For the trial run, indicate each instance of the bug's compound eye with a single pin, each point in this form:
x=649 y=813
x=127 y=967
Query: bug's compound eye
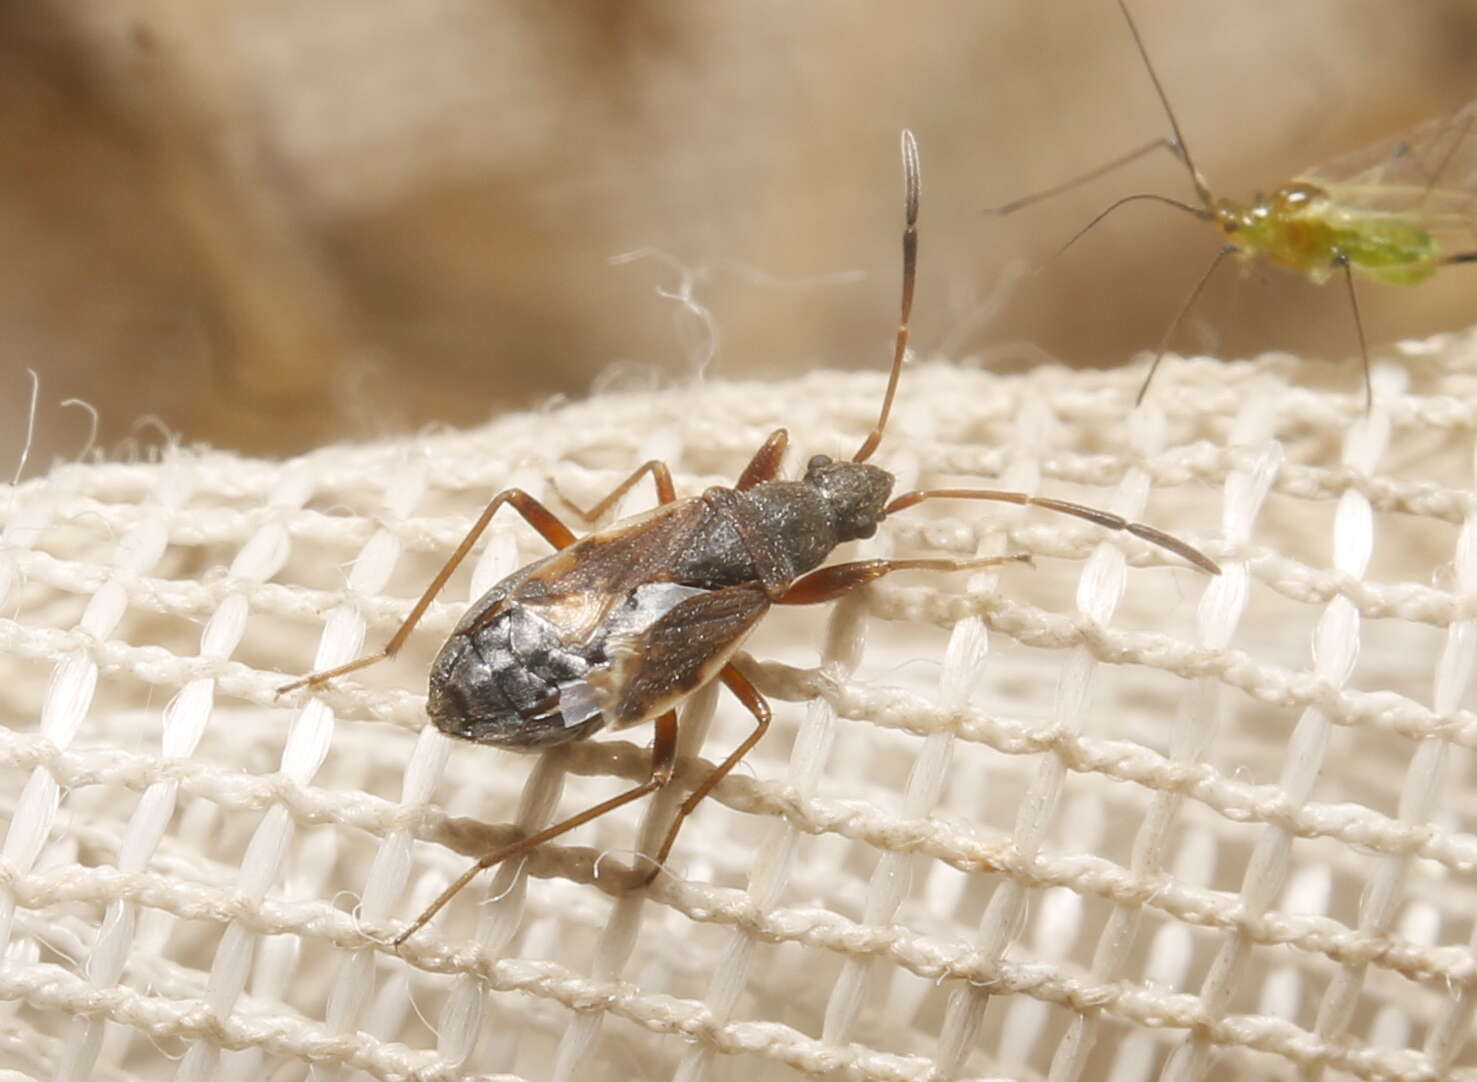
x=1300 y=194
x=817 y=462
x=1229 y=217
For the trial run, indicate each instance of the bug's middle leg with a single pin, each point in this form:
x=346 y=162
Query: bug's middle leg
x=661 y=477
x=534 y=513
x=829 y=583
x=663 y=758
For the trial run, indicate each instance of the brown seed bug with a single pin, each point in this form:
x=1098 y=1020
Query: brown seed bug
x=618 y=627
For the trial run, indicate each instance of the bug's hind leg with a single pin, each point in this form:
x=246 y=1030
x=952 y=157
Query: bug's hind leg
x=661 y=477
x=747 y=694
x=663 y=756
x=534 y=513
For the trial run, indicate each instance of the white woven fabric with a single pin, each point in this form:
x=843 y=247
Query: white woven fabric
x=1107 y=818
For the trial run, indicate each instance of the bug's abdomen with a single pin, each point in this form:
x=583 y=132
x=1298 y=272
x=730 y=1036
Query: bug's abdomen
x=513 y=680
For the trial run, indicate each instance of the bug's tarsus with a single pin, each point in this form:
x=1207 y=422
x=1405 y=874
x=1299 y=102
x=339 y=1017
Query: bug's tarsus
x=534 y=513
x=663 y=760
x=1163 y=347
x=911 y=188
x=1461 y=257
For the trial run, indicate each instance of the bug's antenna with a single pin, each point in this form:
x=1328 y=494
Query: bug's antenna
x=910 y=270
x=1006 y=209
x=1153 y=197
x=1201 y=188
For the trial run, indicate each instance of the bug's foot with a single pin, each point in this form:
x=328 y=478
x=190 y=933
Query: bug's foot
x=312 y=680
x=640 y=876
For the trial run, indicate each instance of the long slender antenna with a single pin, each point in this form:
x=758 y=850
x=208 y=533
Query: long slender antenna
x=1201 y=188
x=1153 y=197
x=1178 y=318
x=1092 y=174
x=1106 y=519
x=911 y=188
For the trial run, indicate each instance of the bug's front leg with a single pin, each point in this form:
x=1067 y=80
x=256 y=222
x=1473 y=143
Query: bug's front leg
x=663 y=757
x=534 y=513
x=765 y=465
x=829 y=583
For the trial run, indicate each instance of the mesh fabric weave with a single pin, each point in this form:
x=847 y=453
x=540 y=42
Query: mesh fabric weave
x=1103 y=818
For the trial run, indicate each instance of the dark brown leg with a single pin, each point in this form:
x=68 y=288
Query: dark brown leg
x=765 y=465
x=536 y=514
x=1105 y=519
x=660 y=475
x=829 y=583
x=740 y=686
x=663 y=755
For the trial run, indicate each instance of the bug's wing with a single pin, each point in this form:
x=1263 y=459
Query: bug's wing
x=1437 y=155
x=1448 y=215
x=577 y=587
x=650 y=672
x=1439 y=152
x=1425 y=176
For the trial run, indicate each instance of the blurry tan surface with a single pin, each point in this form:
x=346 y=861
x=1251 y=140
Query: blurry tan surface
x=276 y=225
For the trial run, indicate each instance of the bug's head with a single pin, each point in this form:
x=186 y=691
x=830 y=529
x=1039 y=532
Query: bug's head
x=855 y=492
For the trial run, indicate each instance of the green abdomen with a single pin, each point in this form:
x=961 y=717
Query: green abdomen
x=1390 y=248
x=1304 y=229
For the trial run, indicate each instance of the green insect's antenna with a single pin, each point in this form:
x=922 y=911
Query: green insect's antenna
x=1140 y=197
x=1202 y=190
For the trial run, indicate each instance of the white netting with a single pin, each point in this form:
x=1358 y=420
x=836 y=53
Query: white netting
x=1107 y=818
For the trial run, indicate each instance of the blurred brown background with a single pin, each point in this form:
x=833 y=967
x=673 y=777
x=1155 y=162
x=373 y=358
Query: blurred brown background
x=278 y=224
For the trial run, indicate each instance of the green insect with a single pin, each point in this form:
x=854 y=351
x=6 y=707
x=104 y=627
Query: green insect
x=1394 y=217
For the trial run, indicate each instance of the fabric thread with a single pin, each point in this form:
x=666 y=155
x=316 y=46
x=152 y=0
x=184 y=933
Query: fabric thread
x=1107 y=817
